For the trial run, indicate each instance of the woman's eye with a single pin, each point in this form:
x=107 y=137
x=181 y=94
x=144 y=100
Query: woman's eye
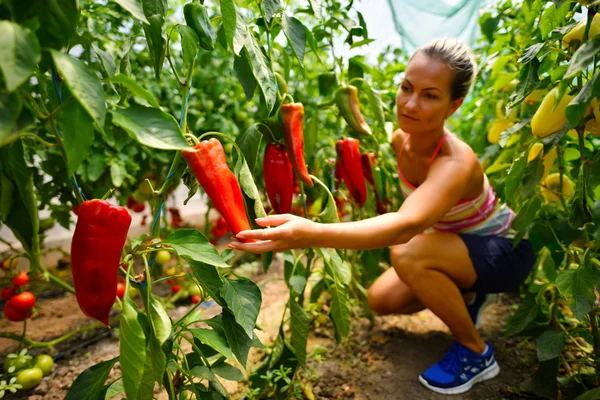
x=404 y=88
x=431 y=96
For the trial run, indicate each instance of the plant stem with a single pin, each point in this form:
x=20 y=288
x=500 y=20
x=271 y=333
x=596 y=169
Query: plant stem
x=51 y=277
x=560 y=177
x=52 y=343
x=26 y=134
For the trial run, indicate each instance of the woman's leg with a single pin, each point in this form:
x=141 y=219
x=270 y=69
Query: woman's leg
x=389 y=295
x=434 y=267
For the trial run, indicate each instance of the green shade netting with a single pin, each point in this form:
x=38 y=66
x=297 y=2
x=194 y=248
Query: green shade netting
x=419 y=21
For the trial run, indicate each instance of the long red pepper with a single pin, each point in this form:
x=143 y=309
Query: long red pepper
x=279 y=178
x=96 y=249
x=368 y=161
x=207 y=161
x=293 y=127
x=348 y=152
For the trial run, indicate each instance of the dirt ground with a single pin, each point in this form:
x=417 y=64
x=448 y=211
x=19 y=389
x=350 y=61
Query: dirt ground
x=382 y=361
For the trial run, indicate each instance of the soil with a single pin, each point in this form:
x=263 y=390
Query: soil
x=379 y=361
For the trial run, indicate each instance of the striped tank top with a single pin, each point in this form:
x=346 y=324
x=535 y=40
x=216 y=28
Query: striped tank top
x=483 y=215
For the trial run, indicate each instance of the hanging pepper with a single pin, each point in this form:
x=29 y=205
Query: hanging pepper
x=207 y=161
x=96 y=249
x=279 y=178
x=351 y=171
x=346 y=98
x=550 y=118
x=293 y=126
x=196 y=17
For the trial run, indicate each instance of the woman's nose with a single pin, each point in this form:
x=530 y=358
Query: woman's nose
x=412 y=103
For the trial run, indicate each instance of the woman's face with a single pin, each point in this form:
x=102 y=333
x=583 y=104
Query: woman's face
x=424 y=98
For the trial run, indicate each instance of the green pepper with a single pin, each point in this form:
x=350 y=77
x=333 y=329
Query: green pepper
x=346 y=98
x=196 y=17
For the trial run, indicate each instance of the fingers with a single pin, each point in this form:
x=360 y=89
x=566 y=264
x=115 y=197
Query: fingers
x=261 y=234
x=274 y=220
x=255 y=247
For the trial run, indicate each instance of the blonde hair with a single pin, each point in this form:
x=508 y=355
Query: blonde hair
x=459 y=57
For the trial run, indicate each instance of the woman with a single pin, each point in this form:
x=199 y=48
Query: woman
x=450 y=237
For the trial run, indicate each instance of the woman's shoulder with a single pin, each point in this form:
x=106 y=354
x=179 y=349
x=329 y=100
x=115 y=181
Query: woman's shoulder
x=398 y=138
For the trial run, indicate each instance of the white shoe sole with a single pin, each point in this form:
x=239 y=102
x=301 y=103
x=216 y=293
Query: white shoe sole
x=489 y=299
x=491 y=372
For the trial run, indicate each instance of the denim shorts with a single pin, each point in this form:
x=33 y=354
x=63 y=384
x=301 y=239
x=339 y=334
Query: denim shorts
x=499 y=267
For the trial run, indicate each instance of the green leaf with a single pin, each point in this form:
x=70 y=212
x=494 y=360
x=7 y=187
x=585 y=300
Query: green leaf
x=237 y=338
x=117 y=174
x=77 y=129
x=135 y=8
x=582 y=57
x=58 y=20
x=209 y=278
x=227 y=371
x=488 y=25
x=376 y=105
x=190 y=45
x=89 y=385
x=271 y=8
x=329 y=215
x=155 y=12
x=525 y=315
x=22 y=219
x=229 y=20
x=339 y=269
x=299 y=327
x=592 y=394
x=243 y=298
x=552 y=18
x=249 y=143
x=243 y=71
x=191 y=244
x=132 y=348
x=254 y=205
x=11 y=105
x=577 y=286
x=532 y=176
x=550 y=344
x=579 y=214
x=315 y=5
x=151 y=127
x=576 y=109
x=83 y=83
x=214 y=340
x=527 y=213
x=340 y=313
x=297 y=283
x=531 y=52
x=135 y=88
x=19 y=54
x=107 y=60
x=241 y=31
x=150 y=374
x=262 y=71
x=311 y=131
x=114 y=389
x=96 y=167
x=528 y=82
x=296 y=36
x=159 y=319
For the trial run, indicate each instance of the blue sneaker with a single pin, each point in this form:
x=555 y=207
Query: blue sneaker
x=477 y=305
x=460 y=369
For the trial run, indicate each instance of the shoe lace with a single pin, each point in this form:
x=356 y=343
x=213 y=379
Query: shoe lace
x=451 y=362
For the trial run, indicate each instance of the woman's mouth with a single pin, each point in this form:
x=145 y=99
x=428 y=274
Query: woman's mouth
x=409 y=117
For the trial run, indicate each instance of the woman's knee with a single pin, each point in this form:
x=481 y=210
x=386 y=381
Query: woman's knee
x=377 y=300
x=407 y=261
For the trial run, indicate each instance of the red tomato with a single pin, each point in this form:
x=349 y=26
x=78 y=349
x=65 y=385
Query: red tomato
x=175 y=288
x=13 y=315
x=134 y=206
x=22 y=302
x=21 y=279
x=195 y=299
x=120 y=290
x=8 y=292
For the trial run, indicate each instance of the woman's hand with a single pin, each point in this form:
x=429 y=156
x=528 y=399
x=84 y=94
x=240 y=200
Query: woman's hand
x=288 y=232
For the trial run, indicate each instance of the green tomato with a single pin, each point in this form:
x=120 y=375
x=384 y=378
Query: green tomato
x=29 y=378
x=193 y=289
x=170 y=271
x=162 y=257
x=19 y=362
x=45 y=363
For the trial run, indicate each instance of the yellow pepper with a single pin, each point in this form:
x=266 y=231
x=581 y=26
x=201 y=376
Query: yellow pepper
x=497 y=128
x=534 y=97
x=535 y=151
x=551 y=188
x=549 y=119
x=549 y=161
x=576 y=34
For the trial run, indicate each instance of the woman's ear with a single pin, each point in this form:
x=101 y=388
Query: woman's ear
x=454 y=106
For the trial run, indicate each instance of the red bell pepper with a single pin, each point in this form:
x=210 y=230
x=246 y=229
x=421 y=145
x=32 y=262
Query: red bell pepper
x=349 y=163
x=279 y=178
x=368 y=161
x=293 y=128
x=207 y=161
x=96 y=249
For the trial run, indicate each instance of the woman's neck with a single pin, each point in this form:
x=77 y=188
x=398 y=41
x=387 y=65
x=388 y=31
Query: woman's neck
x=423 y=144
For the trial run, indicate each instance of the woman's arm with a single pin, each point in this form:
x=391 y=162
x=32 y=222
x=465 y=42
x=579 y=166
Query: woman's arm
x=446 y=183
